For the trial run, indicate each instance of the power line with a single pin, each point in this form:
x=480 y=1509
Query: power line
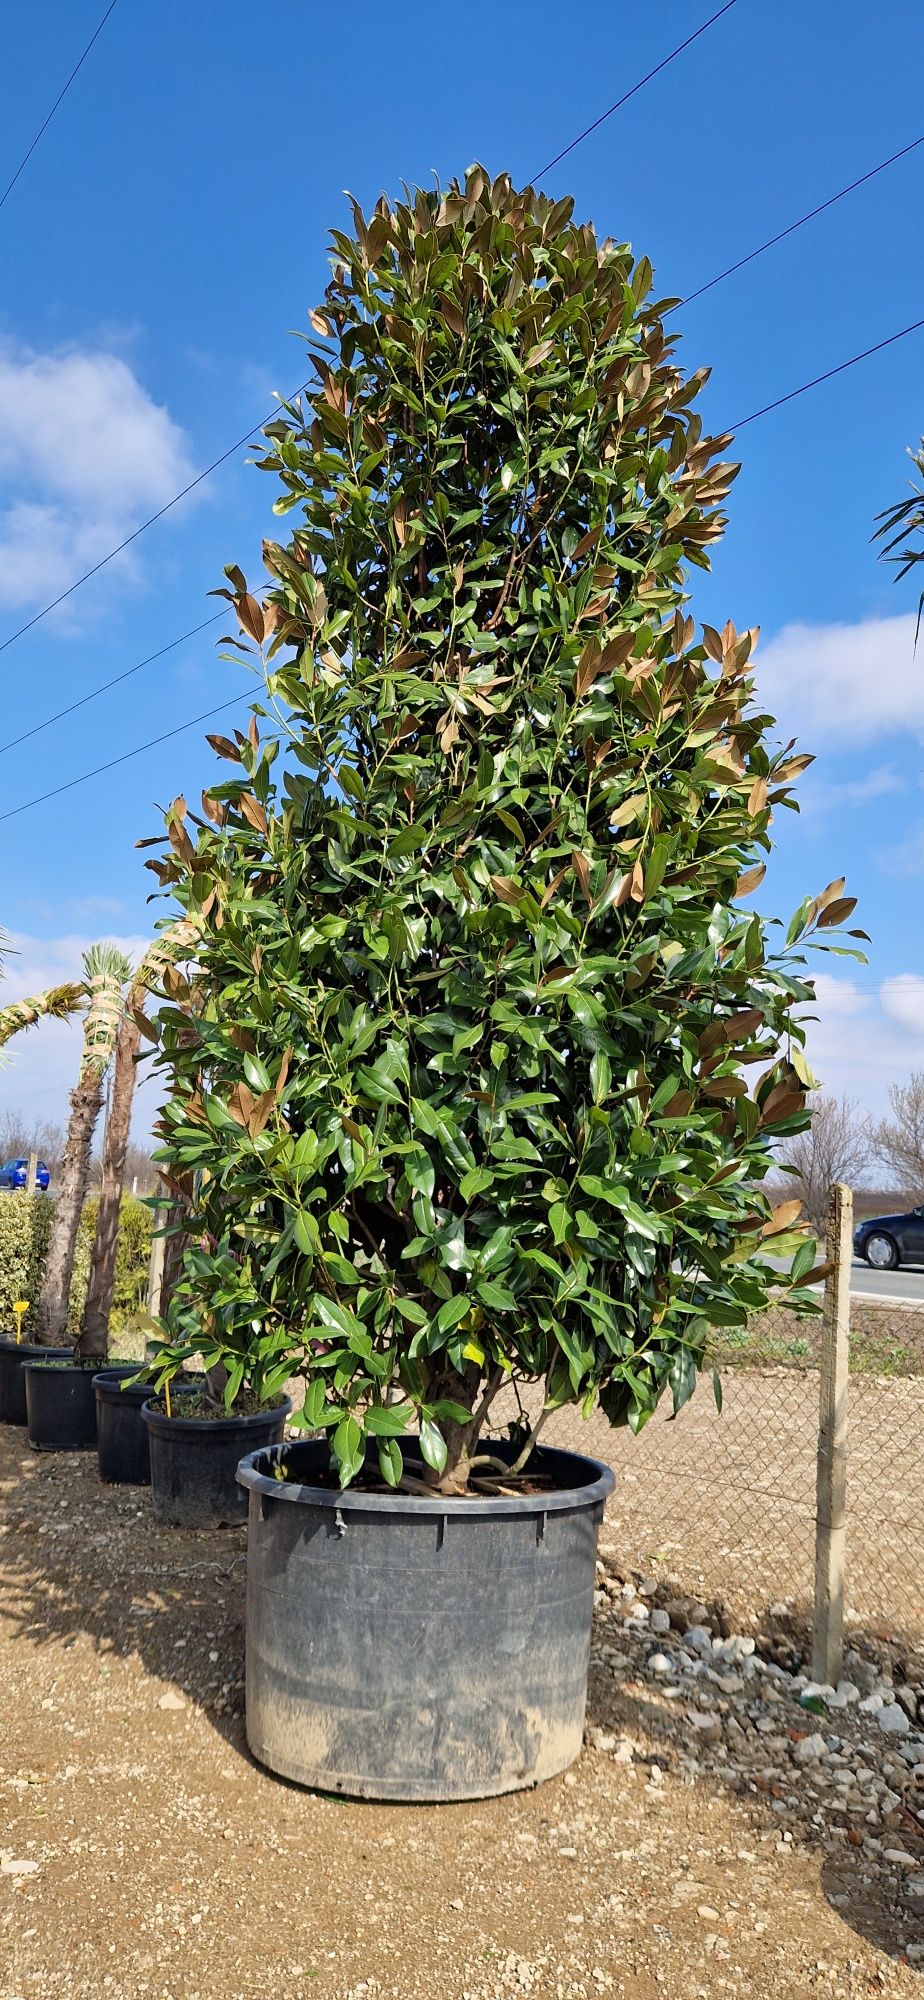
x=61 y=95
x=766 y=409
x=149 y=523
x=800 y=223
x=720 y=277
x=225 y=455
x=828 y=375
x=125 y=757
x=104 y=686
x=635 y=88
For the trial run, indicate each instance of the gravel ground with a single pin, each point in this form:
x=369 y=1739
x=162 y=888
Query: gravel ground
x=143 y=1854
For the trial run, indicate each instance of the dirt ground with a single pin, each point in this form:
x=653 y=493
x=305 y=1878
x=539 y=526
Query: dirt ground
x=142 y=1852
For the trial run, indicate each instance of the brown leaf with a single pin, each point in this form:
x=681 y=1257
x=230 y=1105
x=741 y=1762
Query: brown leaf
x=757 y=797
x=225 y=748
x=713 y=644
x=283 y=1073
x=837 y=913
x=250 y=616
x=616 y=651
x=214 y=809
x=507 y=889
x=399 y=517
x=782 y=1218
x=588 y=669
x=637 y=883
x=751 y=879
x=253 y=811
x=581 y=867
x=555 y=883
x=781 y=1103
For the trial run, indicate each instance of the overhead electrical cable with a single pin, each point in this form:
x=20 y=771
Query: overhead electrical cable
x=104 y=686
x=800 y=222
x=149 y=523
x=634 y=89
x=58 y=100
x=777 y=404
x=112 y=762
x=689 y=298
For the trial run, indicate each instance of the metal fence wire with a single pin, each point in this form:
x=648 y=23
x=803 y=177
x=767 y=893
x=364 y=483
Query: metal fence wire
x=722 y=1504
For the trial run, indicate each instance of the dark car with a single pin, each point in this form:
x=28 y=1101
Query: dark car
x=15 y=1173
x=885 y=1241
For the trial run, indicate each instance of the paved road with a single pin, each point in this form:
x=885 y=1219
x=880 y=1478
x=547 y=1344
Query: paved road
x=905 y=1285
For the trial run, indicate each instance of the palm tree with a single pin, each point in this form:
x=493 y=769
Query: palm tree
x=58 y=1004
x=174 y=943
x=905 y=523
x=106 y=970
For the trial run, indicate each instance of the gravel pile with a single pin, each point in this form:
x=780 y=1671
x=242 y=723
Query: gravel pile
x=840 y=1766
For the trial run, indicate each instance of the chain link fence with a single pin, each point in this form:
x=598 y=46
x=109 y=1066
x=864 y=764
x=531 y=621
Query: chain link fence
x=722 y=1504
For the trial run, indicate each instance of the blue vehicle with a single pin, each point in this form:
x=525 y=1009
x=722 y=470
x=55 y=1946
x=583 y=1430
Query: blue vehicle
x=14 y=1174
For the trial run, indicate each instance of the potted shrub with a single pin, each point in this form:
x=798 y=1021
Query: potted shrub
x=195 y=1450
x=479 y=1069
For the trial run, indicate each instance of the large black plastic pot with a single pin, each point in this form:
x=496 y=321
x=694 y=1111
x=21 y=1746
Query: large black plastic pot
x=61 y=1403
x=13 y=1356
x=415 y=1648
x=121 y=1434
x=194 y=1461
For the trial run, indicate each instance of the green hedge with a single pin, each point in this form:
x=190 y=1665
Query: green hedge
x=25 y=1227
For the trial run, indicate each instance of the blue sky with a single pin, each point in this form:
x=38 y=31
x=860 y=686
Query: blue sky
x=169 y=231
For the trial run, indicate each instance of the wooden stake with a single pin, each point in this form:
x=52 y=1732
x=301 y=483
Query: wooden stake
x=831 y=1475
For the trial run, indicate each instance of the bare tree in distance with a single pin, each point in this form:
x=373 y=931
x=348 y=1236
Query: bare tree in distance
x=20 y=1136
x=836 y=1147
x=899 y=1141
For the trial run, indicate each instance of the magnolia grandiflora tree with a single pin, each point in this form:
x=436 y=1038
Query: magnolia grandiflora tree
x=489 y=1055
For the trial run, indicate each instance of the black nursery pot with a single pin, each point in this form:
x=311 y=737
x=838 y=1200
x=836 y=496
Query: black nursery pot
x=13 y=1356
x=121 y=1435
x=415 y=1648
x=60 y=1405
x=194 y=1463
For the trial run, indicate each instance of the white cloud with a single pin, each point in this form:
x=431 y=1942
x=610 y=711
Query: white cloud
x=903 y=1001
x=879 y=783
x=832 y=685
x=40 y=1066
x=907 y=856
x=863 y=1040
x=840 y=997
x=85 y=455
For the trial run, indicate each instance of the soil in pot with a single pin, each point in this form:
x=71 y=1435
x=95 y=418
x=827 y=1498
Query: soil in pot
x=194 y=1459
x=60 y=1402
x=402 y=1646
x=121 y=1434
x=13 y=1356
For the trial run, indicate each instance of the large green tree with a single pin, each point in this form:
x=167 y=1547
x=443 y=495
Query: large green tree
x=484 y=1055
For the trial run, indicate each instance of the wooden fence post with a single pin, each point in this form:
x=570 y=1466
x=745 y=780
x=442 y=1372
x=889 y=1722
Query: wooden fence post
x=831 y=1477
x=31 y=1173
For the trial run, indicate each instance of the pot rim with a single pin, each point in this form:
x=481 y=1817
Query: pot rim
x=31 y=1349
x=565 y=1499
x=212 y=1426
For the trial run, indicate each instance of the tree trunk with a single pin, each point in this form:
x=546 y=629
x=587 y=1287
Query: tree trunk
x=94 y=1332
x=174 y=1247
x=51 y=1317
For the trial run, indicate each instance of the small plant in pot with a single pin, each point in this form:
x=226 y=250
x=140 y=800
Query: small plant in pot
x=196 y=1440
x=478 y=1071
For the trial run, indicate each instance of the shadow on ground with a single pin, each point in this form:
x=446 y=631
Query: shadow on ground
x=78 y=1560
